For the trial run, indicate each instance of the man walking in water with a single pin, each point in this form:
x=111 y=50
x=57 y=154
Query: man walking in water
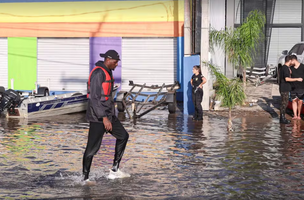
x=101 y=115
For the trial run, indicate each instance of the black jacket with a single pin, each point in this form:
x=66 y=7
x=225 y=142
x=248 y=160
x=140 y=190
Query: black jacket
x=98 y=106
x=285 y=86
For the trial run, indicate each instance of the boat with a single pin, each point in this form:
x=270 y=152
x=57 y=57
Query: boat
x=17 y=104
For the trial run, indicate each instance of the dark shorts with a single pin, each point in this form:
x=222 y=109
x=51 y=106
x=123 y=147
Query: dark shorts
x=297 y=94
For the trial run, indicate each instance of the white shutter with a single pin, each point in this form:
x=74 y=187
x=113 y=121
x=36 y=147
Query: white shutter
x=282 y=39
x=3 y=63
x=148 y=60
x=287 y=11
x=63 y=63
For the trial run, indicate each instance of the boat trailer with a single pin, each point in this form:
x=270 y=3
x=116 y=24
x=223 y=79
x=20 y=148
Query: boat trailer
x=126 y=100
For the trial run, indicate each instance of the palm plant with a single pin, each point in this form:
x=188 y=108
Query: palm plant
x=230 y=91
x=241 y=43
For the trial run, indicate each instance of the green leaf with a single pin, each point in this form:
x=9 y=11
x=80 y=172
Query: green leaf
x=231 y=91
x=241 y=43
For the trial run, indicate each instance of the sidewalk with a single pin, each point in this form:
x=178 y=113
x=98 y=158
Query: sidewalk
x=268 y=98
x=265 y=97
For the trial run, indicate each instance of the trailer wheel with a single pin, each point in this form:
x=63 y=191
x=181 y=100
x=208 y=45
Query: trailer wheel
x=43 y=91
x=172 y=107
x=120 y=106
x=2 y=89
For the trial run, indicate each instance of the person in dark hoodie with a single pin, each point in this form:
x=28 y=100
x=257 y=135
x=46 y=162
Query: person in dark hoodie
x=101 y=115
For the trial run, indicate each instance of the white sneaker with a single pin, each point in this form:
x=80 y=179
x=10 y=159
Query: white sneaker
x=118 y=174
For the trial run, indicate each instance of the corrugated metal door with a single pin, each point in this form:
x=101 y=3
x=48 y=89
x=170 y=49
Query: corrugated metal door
x=148 y=60
x=282 y=39
x=287 y=11
x=3 y=63
x=63 y=63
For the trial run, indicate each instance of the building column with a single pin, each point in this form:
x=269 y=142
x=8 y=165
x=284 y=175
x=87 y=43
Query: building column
x=230 y=13
x=187 y=29
x=205 y=51
x=302 y=21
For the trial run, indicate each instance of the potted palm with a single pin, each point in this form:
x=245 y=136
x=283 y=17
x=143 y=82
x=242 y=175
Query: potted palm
x=241 y=43
x=229 y=91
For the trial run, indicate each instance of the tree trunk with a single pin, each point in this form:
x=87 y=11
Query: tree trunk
x=244 y=78
x=244 y=81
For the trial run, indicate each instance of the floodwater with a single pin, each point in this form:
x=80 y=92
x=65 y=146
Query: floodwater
x=168 y=157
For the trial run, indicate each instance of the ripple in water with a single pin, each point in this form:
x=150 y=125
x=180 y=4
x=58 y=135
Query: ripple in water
x=168 y=157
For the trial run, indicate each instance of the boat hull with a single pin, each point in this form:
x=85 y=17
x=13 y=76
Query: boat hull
x=50 y=106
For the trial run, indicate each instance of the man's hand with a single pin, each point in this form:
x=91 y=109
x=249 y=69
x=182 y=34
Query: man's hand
x=300 y=79
x=107 y=124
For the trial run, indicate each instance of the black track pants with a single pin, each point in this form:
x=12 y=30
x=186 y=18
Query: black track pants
x=96 y=133
x=197 y=99
x=284 y=103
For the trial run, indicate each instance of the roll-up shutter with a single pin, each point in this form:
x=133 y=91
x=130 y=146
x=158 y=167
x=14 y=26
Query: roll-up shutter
x=63 y=63
x=282 y=39
x=287 y=11
x=148 y=60
x=3 y=63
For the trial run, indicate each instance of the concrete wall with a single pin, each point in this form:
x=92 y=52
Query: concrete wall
x=217 y=21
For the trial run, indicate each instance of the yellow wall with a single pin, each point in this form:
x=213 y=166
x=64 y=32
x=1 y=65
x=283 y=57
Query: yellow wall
x=92 y=18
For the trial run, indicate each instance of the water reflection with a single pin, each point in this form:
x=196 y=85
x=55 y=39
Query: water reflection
x=244 y=124
x=296 y=128
x=168 y=156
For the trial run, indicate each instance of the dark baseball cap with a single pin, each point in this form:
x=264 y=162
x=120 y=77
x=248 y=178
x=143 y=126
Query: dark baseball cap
x=110 y=54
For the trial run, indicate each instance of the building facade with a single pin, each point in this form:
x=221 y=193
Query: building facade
x=284 y=26
x=56 y=43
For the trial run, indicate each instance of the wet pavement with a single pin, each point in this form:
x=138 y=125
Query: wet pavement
x=168 y=157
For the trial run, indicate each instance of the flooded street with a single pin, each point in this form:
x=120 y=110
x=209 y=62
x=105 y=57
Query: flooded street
x=168 y=157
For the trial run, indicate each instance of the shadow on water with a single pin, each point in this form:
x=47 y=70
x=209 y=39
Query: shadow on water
x=269 y=106
x=169 y=156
